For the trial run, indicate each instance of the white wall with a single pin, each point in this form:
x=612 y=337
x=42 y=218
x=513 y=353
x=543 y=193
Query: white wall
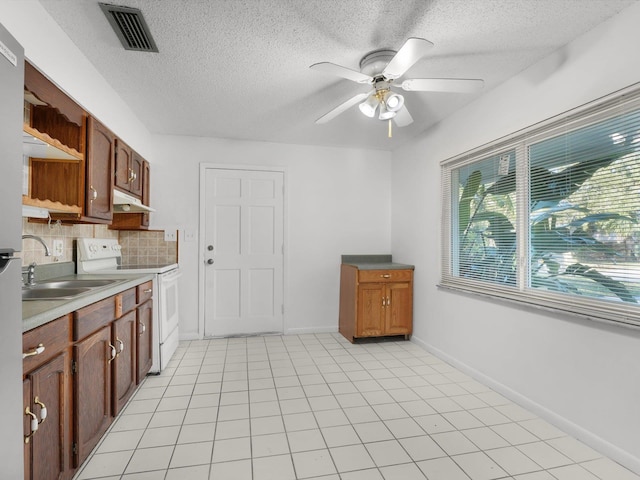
x=338 y=202
x=579 y=374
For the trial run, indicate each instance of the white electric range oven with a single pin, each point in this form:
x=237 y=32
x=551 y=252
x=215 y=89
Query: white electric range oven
x=104 y=256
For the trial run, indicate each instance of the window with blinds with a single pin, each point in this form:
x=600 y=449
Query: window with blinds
x=551 y=215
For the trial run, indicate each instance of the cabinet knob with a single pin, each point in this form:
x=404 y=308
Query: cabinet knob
x=114 y=353
x=386 y=275
x=43 y=409
x=33 y=424
x=36 y=351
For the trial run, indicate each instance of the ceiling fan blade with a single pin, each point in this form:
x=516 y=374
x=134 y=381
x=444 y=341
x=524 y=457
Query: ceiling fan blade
x=342 y=107
x=403 y=117
x=412 y=51
x=460 y=85
x=341 y=71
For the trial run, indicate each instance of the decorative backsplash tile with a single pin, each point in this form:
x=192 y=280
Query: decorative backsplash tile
x=147 y=248
x=143 y=247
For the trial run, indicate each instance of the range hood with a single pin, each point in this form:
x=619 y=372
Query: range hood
x=125 y=203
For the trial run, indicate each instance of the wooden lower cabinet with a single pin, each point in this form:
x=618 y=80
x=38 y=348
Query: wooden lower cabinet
x=45 y=392
x=92 y=391
x=144 y=339
x=124 y=333
x=375 y=303
x=81 y=369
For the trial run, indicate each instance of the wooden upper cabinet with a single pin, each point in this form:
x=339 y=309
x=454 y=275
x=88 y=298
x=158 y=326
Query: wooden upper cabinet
x=128 y=170
x=100 y=164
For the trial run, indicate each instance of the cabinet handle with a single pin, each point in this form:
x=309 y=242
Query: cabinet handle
x=386 y=275
x=121 y=346
x=43 y=409
x=148 y=290
x=94 y=193
x=384 y=302
x=143 y=327
x=388 y=302
x=33 y=423
x=36 y=351
x=114 y=353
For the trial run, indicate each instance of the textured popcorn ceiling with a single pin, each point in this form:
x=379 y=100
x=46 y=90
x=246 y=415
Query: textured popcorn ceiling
x=239 y=68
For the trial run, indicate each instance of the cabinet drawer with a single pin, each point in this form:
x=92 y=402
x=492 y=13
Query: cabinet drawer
x=145 y=292
x=54 y=337
x=384 y=276
x=93 y=317
x=128 y=301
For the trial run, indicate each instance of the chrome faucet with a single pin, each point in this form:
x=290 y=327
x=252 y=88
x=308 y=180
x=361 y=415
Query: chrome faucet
x=31 y=270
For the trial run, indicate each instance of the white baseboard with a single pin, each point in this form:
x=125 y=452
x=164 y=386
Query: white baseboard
x=599 y=444
x=190 y=336
x=302 y=331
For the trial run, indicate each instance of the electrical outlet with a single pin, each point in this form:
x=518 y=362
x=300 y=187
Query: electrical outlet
x=189 y=236
x=170 y=236
x=58 y=248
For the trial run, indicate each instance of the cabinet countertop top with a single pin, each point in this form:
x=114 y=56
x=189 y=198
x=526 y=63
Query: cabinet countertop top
x=374 y=262
x=381 y=266
x=38 y=312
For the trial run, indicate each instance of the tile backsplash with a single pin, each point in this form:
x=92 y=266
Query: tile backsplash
x=138 y=247
x=147 y=248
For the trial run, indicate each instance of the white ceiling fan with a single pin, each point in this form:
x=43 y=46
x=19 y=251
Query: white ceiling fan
x=380 y=69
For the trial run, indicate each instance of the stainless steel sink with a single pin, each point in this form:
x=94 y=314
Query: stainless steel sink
x=51 y=293
x=61 y=289
x=71 y=284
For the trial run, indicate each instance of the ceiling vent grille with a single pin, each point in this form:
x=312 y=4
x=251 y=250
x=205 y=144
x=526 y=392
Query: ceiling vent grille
x=130 y=27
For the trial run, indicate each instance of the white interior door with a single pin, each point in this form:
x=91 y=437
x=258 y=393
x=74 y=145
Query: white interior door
x=244 y=245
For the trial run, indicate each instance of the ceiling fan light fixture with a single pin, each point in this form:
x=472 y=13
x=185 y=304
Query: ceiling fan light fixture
x=393 y=101
x=369 y=106
x=385 y=114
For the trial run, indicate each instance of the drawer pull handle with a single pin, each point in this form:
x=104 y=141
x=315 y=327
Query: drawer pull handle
x=148 y=290
x=386 y=275
x=114 y=353
x=33 y=423
x=36 y=351
x=143 y=328
x=121 y=343
x=43 y=409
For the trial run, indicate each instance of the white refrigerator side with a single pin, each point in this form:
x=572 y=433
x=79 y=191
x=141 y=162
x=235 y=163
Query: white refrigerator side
x=11 y=408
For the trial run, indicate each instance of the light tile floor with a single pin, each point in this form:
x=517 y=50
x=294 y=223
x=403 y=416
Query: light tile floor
x=318 y=407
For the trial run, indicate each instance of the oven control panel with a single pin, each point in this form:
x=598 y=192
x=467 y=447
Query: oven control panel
x=98 y=248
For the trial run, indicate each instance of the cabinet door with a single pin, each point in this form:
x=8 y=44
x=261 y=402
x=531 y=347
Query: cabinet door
x=92 y=390
x=26 y=426
x=370 y=318
x=136 y=175
x=399 y=309
x=146 y=192
x=145 y=339
x=100 y=160
x=124 y=366
x=49 y=445
x=123 y=172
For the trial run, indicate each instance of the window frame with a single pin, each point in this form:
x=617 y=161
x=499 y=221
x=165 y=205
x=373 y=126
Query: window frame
x=622 y=313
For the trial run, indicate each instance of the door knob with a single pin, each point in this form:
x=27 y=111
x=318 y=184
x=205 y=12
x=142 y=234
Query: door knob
x=210 y=261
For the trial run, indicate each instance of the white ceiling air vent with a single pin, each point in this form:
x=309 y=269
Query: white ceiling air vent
x=130 y=27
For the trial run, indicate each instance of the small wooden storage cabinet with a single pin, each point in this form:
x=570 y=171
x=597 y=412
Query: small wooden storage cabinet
x=375 y=302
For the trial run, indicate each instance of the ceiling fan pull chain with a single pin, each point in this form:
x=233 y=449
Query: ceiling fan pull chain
x=390 y=132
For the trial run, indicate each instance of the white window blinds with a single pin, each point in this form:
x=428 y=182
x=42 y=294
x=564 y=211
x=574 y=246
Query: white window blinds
x=551 y=216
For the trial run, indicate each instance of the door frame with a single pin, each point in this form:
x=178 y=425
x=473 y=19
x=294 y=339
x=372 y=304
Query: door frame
x=201 y=233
